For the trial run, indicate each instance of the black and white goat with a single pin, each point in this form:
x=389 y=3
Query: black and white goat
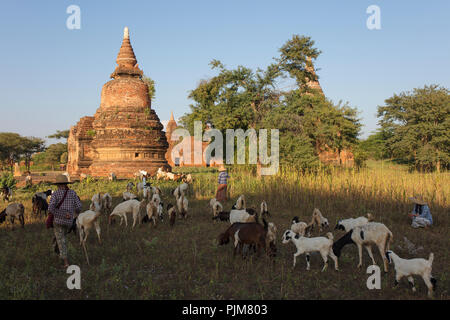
x=240 y=203
x=307 y=245
x=366 y=235
x=410 y=267
x=264 y=212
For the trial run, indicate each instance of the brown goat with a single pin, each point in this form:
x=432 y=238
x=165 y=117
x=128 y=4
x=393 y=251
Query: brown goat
x=252 y=234
x=172 y=214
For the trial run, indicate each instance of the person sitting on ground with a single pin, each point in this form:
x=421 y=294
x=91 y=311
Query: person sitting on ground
x=421 y=215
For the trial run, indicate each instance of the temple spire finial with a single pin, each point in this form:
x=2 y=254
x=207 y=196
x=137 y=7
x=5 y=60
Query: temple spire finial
x=171 y=116
x=126 y=34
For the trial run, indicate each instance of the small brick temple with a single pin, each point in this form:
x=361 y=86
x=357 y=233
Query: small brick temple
x=125 y=135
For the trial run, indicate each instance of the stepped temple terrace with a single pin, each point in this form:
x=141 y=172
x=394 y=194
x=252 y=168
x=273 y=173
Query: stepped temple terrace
x=125 y=135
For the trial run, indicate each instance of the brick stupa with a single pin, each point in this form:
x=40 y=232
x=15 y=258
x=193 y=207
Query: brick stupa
x=125 y=135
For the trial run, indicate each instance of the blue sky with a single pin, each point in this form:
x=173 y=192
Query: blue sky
x=52 y=76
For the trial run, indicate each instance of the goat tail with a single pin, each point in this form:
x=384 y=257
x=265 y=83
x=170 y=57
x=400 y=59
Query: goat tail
x=330 y=235
x=431 y=258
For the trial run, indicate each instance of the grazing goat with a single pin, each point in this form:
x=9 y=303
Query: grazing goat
x=410 y=267
x=128 y=196
x=180 y=190
x=135 y=207
x=182 y=204
x=187 y=178
x=216 y=206
x=307 y=245
x=105 y=202
x=264 y=211
x=240 y=203
x=39 y=205
x=153 y=209
x=318 y=220
x=88 y=219
x=300 y=227
x=366 y=235
x=242 y=215
x=14 y=210
x=171 y=211
x=349 y=224
x=252 y=234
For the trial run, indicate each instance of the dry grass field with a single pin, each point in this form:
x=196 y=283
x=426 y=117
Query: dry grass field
x=185 y=262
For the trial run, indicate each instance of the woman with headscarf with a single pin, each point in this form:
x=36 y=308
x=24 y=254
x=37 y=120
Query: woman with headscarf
x=421 y=215
x=221 y=194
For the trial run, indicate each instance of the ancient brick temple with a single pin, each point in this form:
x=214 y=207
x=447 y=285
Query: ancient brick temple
x=125 y=134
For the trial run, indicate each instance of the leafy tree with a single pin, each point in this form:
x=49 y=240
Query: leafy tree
x=54 y=152
x=60 y=134
x=419 y=122
x=7 y=180
x=31 y=146
x=14 y=147
x=376 y=146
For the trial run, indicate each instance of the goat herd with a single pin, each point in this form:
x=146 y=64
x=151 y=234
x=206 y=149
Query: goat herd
x=246 y=231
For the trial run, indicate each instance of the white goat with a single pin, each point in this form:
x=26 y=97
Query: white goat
x=181 y=189
x=14 y=210
x=244 y=215
x=216 y=206
x=104 y=200
x=271 y=236
x=88 y=219
x=182 y=204
x=112 y=177
x=154 y=209
x=410 y=267
x=128 y=196
x=308 y=245
x=318 y=220
x=348 y=224
x=264 y=211
x=298 y=226
x=134 y=207
x=366 y=235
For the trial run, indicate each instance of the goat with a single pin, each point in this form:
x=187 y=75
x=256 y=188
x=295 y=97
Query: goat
x=44 y=195
x=171 y=211
x=112 y=177
x=252 y=234
x=153 y=209
x=242 y=215
x=39 y=205
x=130 y=186
x=348 y=224
x=410 y=267
x=135 y=207
x=307 y=245
x=128 y=196
x=366 y=235
x=188 y=178
x=14 y=210
x=264 y=211
x=240 y=203
x=318 y=220
x=182 y=204
x=216 y=206
x=88 y=219
x=181 y=189
x=7 y=194
x=300 y=227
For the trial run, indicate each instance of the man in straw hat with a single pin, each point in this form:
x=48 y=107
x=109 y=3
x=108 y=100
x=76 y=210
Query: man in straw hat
x=421 y=215
x=63 y=206
x=221 y=194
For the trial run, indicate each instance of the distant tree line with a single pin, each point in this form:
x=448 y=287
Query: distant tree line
x=414 y=129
